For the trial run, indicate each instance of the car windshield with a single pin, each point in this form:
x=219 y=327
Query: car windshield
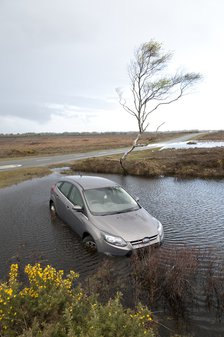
x=110 y=200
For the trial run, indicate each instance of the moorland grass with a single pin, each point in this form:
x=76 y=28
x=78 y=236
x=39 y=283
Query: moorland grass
x=185 y=163
x=15 y=146
x=12 y=177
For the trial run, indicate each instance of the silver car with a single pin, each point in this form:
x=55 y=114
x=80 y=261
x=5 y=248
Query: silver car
x=104 y=215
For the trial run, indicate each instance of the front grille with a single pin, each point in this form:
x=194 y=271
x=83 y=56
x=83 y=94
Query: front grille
x=144 y=242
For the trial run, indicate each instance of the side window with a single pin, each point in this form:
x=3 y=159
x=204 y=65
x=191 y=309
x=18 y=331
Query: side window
x=65 y=188
x=59 y=184
x=75 y=197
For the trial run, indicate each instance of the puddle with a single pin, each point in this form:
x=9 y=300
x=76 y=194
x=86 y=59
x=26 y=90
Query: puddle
x=187 y=145
x=60 y=169
x=7 y=167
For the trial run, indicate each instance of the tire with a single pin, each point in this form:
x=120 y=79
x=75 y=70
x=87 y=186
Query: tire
x=89 y=243
x=52 y=208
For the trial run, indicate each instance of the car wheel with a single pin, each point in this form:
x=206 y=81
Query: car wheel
x=89 y=243
x=52 y=208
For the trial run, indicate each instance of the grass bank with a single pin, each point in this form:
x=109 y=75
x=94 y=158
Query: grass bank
x=12 y=177
x=188 y=163
x=185 y=163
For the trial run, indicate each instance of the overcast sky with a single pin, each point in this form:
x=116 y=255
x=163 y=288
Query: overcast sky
x=61 y=61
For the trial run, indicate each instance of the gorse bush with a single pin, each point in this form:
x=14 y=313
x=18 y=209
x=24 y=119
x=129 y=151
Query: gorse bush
x=49 y=305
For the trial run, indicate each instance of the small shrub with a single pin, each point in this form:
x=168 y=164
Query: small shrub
x=214 y=288
x=105 y=282
x=167 y=277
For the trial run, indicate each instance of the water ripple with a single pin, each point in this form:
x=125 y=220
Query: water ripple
x=191 y=211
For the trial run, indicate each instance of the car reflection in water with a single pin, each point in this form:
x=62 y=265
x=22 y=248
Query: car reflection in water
x=104 y=215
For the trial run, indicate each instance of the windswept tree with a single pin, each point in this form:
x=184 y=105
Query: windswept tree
x=151 y=87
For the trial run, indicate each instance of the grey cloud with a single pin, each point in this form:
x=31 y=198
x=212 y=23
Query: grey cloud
x=29 y=24
x=41 y=112
x=65 y=58
x=26 y=110
x=89 y=102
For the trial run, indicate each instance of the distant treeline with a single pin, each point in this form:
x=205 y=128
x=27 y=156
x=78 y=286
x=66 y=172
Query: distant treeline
x=33 y=134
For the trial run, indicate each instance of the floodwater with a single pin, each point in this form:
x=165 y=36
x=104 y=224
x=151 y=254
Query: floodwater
x=191 y=211
x=188 y=145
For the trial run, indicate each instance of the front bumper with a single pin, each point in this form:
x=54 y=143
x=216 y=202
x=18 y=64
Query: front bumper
x=109 y=249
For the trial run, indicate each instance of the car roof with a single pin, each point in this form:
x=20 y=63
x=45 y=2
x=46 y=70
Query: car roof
x=90 y=182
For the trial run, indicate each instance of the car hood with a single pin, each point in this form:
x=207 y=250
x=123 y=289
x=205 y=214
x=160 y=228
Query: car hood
x=131 y=226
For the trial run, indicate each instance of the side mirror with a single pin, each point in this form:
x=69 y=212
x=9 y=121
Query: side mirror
x=77 y=208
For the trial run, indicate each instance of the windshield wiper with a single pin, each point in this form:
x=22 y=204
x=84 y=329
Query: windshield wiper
x=116 y=212
x=126 y=210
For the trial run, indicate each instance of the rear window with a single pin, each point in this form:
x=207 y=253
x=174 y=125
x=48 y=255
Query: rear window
x=65 y=188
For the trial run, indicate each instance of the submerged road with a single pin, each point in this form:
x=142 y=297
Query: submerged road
x=58 y=159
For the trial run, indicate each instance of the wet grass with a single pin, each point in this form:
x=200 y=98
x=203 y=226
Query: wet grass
x=12 y=177
x=184 y=163
x=157 y=278
x=169 y=278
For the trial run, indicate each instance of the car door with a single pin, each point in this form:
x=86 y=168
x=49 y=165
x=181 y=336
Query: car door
x=62 y=199
x=76 y=218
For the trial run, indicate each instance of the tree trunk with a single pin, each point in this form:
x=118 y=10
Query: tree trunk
x=123 y=158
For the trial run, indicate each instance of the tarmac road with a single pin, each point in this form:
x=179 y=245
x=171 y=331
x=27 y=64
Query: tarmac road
x=49 y=160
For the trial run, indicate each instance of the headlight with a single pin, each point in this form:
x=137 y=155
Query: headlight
x=115 y=240
x=159 y=227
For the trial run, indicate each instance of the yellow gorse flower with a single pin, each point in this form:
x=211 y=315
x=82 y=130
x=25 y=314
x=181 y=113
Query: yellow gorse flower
x=13 y=274
x=7 y=295
x=41 y=278
x=9 y=291
x=41 y=281
x=143 y=316
x=30 y=292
